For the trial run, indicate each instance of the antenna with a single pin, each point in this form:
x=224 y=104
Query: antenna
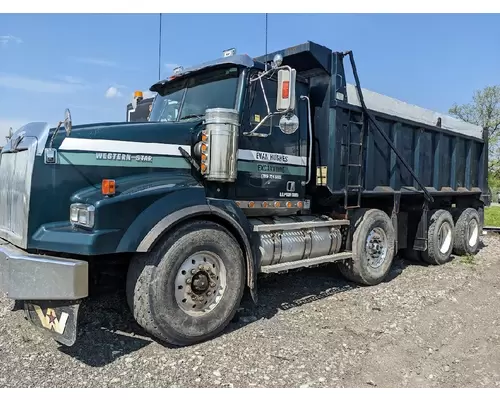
x=159 y=52
x=266 y=44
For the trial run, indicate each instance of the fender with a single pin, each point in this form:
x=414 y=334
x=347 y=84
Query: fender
x=227 y=214
x=142 y=234
x=122 y=221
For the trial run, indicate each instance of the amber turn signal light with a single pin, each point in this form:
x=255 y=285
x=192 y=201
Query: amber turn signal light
x=108 y=187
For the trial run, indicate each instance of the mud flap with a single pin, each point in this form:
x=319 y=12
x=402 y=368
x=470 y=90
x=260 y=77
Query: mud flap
x=57 y=317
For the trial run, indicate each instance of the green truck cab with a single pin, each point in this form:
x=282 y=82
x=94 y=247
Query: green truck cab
x=245 y=167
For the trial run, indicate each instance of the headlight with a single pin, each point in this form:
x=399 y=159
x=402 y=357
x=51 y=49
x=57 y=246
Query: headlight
x=82 y=214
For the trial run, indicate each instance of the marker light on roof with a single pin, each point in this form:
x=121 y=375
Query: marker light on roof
x=277 y=60
x=229 y=52
x=177 y=70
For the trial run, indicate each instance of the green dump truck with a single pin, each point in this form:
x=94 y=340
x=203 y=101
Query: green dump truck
x=247 y=166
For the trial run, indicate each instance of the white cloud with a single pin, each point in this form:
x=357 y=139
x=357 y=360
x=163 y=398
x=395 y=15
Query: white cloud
x=112 y=92
x=72 y=80
x=6 y=39
x=37 y=85
x=96 y=61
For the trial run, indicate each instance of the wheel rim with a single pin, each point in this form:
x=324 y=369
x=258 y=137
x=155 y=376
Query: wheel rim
x=200 y=283
x=473 y=232
x=444 y=237
x=376 y=247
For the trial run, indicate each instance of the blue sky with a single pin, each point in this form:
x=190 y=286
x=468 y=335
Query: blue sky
x=92 y=63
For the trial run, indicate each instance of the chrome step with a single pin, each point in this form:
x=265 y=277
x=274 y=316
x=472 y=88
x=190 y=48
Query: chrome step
x=269 y=269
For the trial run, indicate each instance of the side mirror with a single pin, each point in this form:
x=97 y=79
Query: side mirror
x=11 y=133
x=68 y=123
x=285 y=99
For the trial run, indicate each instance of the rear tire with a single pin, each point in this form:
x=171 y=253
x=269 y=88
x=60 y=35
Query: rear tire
x=467 y=228
x=188 y=288
x=372 y=248
x=440 y=238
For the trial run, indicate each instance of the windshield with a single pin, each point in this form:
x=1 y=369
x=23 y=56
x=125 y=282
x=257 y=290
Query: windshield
x=189 y=97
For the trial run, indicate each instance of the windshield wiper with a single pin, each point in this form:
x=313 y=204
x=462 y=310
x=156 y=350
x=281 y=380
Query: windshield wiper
x=192 y=116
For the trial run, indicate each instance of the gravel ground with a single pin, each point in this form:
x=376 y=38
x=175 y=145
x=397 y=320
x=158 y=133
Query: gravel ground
x=423 y=327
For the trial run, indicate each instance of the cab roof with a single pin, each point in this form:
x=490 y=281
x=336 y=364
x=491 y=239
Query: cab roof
x=240 y=60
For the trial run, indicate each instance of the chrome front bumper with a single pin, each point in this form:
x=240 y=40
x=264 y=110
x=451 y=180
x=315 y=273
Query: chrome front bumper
x=25 y=276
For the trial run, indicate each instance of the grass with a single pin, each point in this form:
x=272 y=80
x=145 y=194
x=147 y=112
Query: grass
x=468 y=259
x=492 y=216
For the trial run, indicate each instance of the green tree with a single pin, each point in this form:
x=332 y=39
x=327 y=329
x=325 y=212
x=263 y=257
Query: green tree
x=484 y=110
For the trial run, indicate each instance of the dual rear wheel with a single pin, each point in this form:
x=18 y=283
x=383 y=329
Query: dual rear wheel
x=373 y=248
x=373 y=242
x=455 y=232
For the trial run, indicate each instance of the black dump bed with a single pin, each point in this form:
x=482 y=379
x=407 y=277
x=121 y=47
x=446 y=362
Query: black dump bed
x=448 y=156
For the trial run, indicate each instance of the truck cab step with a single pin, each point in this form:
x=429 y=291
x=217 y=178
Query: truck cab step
x=269 y=269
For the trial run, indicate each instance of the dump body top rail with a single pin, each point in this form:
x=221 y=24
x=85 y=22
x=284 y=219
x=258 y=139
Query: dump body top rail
x=391 y=106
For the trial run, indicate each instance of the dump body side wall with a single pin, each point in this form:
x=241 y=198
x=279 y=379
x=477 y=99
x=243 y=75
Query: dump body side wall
x=446 y=162
x=442 y=160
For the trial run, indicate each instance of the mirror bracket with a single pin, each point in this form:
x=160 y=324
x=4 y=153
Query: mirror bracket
x=284 y=72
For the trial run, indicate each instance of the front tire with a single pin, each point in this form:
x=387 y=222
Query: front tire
x=189 y=287
x=372 y=248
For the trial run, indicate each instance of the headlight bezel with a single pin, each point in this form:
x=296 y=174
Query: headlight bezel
x=82 y=215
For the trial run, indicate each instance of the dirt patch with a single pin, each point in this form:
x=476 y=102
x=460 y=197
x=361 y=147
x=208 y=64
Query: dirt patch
x=423 y=327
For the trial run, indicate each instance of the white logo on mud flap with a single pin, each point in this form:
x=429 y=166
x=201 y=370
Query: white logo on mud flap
x=50 y=320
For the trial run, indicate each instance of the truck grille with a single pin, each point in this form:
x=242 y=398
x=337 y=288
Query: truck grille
x=16 y=170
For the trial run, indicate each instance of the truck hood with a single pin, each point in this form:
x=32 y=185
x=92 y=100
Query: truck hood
x=148 y=132
x=35 y=193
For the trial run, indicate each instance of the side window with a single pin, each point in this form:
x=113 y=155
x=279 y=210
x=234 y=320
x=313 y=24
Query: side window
x=258 y=108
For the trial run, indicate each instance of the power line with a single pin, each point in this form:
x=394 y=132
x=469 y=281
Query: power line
x=266 y=43
x=159 y=52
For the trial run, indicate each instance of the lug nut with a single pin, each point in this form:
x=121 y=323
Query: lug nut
x=212 y=284
x=193 y=271
x=193 y=297
x=209 y=293
x=188 y=281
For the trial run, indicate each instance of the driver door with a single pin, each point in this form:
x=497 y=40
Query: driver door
x=271 y=168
